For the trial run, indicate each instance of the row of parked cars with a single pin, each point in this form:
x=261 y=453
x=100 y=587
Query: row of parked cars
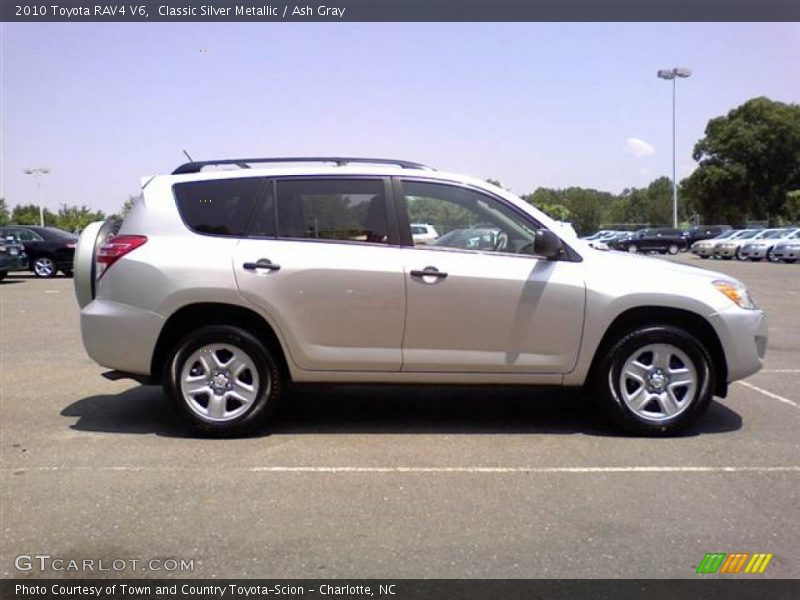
x=664 y=240
x=779 y=244
x=43 y=250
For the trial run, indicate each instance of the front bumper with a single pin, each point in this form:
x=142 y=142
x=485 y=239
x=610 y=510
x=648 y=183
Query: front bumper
x=725 y=251
x=743 y=334
x=787 y=253
x=703 y=250
x=753 y=252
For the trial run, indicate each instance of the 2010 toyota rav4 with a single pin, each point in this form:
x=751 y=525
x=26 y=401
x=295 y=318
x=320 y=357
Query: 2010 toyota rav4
x=227 y=284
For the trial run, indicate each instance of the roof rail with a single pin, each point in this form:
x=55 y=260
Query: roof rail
x=244 y=163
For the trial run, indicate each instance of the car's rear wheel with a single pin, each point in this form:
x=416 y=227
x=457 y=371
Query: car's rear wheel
x=771 y=257
x=633 y=249
x=790 y=261
x=673 y=249
x=44 y=266
x=738 y=254
x=655 y=380
x=223 y=380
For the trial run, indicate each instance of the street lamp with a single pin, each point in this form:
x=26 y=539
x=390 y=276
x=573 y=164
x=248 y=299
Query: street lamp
x=673 y=75
x=36 y=172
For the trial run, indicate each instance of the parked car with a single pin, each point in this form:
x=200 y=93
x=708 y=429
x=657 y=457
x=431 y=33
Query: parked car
x=655 y=239
x=705 y=248
x=759 y=249
x=49 y=249
x=788 y=250
x=12 y=256
x=226 y=285
x=703 y=232
x=422 y=233
x=731 y=248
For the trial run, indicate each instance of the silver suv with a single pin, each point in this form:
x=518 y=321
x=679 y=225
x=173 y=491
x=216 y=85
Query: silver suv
x=227 y=284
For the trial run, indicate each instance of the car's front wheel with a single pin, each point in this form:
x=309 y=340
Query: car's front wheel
x=44 y=266
x=633 y=249
x=673 y=249
x=655 y=380
x=223 y=380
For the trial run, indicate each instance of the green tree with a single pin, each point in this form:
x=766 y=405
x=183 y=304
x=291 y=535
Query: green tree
x=76 y=218
x=559 y=212
x=28 y=214
x=5 y=217
x=753 y=152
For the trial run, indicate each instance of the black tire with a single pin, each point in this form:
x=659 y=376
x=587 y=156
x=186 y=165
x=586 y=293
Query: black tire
x=44 y=266
x=738 y=254
x=771 y=257
x=703 y=257
x=673 y=249
x=606 y=380
x=3 y=275
x=726 y=257
x=270 y=380
x=790 y=261
x=755 y=259
x=632 y=248
x=67 y=272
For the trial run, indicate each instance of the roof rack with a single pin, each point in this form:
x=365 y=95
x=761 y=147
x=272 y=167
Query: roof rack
x=340 y=161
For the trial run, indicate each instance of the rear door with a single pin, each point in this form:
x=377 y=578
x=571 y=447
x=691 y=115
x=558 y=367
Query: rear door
x=322 y=260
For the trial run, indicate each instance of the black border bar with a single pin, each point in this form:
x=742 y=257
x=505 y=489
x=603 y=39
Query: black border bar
x=397 y=10
x=701 y=587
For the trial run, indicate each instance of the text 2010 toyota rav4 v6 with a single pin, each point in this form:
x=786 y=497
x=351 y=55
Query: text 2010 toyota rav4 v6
x=226 y=284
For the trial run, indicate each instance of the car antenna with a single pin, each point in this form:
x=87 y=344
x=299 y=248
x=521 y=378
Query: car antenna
x=187 y=156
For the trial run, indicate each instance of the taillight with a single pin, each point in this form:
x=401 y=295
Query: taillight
x=116 y=248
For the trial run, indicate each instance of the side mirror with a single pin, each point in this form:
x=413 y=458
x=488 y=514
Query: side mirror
x=547 y=244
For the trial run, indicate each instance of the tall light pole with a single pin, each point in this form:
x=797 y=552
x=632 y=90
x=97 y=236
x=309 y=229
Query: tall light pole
x=37 y=172
x=673 y=74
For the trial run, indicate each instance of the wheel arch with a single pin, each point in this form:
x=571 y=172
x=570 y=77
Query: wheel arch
x=690 y=321
x=191 y=316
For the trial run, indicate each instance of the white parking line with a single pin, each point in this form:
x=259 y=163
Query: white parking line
x=769 y=394
x=780 y=371
x=410 y=469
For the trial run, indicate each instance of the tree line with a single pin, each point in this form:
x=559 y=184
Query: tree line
x=748 y=169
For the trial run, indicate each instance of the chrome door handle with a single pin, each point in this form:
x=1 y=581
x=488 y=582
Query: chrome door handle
x=429 y=272
x=261 y=263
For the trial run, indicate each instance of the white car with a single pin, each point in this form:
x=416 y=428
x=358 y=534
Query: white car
x=759 y=249
x=731 y=248
x=422 y=233
x=227 y=285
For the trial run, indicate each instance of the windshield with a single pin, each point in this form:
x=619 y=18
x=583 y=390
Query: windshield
x=746 y=235
x=726 y=235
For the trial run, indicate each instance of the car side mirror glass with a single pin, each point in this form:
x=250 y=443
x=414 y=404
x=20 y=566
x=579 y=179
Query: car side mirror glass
x=547 y=244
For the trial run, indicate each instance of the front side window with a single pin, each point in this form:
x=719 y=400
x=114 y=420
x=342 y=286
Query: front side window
x=467 y=219
x=221 y=206
x=351 y=210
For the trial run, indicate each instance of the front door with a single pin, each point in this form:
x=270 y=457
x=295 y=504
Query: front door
x=478 y=300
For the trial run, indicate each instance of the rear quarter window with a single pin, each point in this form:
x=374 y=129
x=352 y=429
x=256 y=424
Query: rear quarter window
x=222 y=206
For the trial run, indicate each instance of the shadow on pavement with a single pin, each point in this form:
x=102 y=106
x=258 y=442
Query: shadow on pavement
x=385 y=410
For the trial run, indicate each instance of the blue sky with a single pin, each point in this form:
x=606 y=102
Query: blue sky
x=531 y=104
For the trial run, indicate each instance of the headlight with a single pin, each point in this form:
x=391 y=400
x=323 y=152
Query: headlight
x=736 y=292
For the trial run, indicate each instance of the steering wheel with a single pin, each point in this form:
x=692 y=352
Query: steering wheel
x=501 y=242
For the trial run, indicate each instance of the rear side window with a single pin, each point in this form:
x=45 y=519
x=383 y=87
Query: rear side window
x=352 y=210
x=221 y=206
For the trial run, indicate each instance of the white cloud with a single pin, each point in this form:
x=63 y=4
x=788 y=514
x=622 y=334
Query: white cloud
x=638 y=148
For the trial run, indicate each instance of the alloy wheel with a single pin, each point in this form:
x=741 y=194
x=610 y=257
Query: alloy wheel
x=220 y=382
x=658 y=382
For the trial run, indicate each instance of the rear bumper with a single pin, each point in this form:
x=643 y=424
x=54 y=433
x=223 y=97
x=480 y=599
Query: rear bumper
x=743 y=334
x=119 y=336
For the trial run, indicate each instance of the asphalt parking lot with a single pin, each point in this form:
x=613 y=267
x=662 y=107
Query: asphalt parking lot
x=385 y=483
